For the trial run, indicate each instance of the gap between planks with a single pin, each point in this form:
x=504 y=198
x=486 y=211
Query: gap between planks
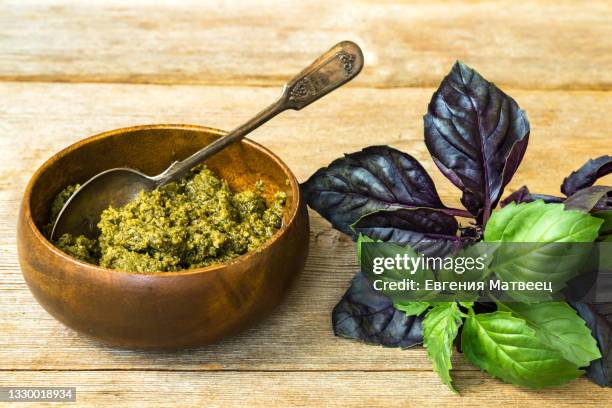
x=233 y=370
x=247 y=83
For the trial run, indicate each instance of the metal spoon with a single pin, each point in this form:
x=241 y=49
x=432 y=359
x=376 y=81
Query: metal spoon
x=116 y=187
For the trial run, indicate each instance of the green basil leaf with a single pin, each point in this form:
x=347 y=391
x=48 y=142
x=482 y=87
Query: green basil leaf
x=605 y=232
x=412 y=308
x=540 y=222
x=467 y=305
x=558 y=325
x=507 y=348
x=546 y=229
x=440 y=327
x=361 y=239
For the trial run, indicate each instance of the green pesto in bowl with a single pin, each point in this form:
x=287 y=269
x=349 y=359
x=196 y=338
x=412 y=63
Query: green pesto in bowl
x=192 y=223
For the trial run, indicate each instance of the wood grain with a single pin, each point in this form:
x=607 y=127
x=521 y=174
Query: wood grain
x=301 y=389
x=298 y=336
x=528 y=44
x=38 y=119
x=70 y=69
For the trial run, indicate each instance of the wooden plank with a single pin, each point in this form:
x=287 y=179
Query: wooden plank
x=304 y=389
x=40 y=118
x=297 y=336
x=37 y=119
x=529 y=44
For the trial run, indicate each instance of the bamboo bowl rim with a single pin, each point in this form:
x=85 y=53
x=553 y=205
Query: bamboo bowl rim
x=293 y=210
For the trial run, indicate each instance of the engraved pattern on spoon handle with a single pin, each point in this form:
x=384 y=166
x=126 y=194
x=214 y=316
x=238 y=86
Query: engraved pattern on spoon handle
x=332 y=69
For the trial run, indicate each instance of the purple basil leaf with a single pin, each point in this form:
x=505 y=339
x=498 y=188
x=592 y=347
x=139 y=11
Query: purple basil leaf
x=366 y=315
x=597 y=198
x=587 y=175
x=598 y=318
x=428 y=231
x=378 y=177
x=477 y=136
x=522 y=195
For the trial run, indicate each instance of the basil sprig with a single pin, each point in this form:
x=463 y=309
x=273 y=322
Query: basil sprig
x=477 y=136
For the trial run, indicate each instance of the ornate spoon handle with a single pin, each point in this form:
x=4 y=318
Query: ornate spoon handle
x=331 y=70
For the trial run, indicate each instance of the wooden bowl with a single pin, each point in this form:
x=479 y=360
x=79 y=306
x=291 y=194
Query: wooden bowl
x=162 y=310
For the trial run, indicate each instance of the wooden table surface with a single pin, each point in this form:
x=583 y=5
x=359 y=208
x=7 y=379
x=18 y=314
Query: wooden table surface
x=70 y=69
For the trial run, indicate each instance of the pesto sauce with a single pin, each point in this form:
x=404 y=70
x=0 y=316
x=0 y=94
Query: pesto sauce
x=194 y=222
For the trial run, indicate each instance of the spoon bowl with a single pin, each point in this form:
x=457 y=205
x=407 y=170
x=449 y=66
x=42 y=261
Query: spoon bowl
x=114 y=187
